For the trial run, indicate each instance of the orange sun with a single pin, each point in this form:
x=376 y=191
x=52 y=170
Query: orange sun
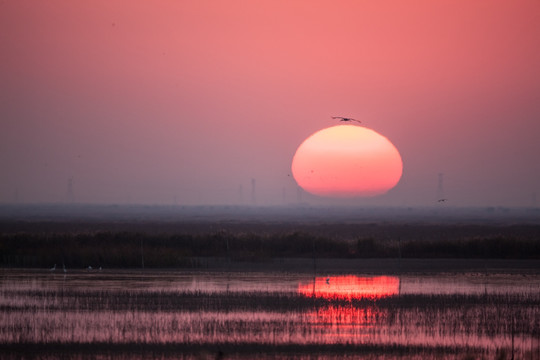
x=347 y=161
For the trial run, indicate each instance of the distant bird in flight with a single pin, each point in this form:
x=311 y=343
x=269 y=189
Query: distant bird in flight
x=341 y=118
x=442 y=200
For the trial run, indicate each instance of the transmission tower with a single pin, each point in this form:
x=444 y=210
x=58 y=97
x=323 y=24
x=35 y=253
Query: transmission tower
x=440 y=187
x=253 y=197
x=240 y=194
x=70 y=195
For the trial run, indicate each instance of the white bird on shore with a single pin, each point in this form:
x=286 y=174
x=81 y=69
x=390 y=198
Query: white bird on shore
x=53 y=268
x=64 y=268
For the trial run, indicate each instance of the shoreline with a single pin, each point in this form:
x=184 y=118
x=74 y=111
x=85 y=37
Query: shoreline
x=374 y=266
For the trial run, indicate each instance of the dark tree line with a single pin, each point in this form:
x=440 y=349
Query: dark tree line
x=128 y=249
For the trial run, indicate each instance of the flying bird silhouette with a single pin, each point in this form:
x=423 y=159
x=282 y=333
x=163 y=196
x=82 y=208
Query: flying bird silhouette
x=341 y=118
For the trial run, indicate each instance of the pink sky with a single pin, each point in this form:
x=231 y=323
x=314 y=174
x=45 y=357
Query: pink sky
x=148 y=101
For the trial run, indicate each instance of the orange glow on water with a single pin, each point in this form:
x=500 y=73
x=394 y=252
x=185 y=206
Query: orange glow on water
x=347 y=161
x=351 y=287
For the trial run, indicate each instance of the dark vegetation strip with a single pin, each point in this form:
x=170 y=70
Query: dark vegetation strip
x=161 y=250
x=38 y=350
x=107 y=300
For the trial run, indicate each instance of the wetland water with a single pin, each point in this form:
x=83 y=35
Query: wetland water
x=211 y=314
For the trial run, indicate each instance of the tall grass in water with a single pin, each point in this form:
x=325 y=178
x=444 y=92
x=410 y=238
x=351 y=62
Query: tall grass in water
x=437 y=325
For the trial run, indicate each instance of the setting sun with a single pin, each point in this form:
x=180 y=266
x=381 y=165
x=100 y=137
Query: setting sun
x=347 y=161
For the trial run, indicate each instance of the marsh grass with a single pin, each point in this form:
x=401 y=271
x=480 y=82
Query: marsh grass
x=239 y=351
x=172 y=322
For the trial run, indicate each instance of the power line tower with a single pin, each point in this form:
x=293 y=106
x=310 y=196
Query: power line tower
x=253 y=197
x=70 y=194
x=440 y=187
x=240 y=194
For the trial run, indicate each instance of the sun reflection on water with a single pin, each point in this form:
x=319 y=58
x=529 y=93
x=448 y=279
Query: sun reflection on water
x=342 y=323
x=351 y=287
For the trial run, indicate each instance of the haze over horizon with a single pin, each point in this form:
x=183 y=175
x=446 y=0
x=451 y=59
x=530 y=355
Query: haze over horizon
x=186 y=102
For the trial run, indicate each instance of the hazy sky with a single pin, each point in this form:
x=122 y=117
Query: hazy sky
x=152 y=101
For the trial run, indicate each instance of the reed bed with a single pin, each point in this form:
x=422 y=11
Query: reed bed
x=479 y=324
x=102 y=351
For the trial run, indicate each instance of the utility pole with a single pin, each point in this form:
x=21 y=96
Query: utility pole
x=142 y=254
